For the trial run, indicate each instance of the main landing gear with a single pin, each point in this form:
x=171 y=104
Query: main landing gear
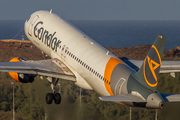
x=53 y=96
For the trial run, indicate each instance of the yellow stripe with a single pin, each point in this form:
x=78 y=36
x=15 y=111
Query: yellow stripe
x=151 y=85
x=112 y=63
x=157 y=54
x=108 y=71
x=15 y=60
x=14 y=75
x=151 y=67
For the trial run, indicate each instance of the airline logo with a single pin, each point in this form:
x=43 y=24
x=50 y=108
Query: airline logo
x=46 y=37
x=151 y=67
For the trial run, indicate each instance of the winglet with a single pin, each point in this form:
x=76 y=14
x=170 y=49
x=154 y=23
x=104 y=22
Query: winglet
x=149 y=70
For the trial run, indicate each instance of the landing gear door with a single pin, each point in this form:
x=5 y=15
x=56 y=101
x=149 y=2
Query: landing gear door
x=30 y=30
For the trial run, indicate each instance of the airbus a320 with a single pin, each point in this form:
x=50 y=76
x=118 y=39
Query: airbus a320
x=78 y=58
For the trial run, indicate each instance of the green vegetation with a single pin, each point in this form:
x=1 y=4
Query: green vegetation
x=30 y=102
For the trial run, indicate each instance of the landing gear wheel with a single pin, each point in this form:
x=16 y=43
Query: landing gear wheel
x=57 y=98
x=53 y=96
x=31 y=79
x=49 y=98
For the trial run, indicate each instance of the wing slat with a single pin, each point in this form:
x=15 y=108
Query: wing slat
x=39 y=67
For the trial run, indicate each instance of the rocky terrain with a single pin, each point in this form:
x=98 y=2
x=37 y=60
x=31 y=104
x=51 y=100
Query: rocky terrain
x=140 y=52
x=18 y=48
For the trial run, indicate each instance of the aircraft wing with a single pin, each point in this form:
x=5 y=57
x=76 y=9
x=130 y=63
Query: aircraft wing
x=170 y=97
x=166 y=66
x=122 y=98
x=170 y=66
x=50 y=68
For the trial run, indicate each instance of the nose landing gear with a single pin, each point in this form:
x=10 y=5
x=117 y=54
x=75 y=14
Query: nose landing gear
x=53 y=96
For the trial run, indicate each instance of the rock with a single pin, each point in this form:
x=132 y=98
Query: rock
x=178 y=47
x=18 y=48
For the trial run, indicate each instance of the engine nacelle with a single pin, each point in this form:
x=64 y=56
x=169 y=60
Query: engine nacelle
x=24 y=78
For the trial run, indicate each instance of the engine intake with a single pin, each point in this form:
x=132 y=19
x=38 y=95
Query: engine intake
x=24 y=78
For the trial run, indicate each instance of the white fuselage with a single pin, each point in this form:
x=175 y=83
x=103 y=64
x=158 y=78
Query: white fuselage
x=81 y=54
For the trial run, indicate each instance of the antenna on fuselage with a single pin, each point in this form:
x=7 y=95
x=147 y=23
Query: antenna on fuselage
x=50 y=11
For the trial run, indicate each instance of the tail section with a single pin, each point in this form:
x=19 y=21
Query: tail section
x=149 y=70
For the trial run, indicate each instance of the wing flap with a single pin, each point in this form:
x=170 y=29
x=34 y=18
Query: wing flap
x=170 y=97
x=122 y=98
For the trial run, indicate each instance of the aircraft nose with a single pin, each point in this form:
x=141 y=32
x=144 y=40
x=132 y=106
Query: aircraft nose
x=25 y=27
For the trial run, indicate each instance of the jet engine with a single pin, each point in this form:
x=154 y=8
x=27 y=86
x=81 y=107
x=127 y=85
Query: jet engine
x=19 y=77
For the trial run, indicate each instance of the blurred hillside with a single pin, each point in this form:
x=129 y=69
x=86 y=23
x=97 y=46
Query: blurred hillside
x=30 y=98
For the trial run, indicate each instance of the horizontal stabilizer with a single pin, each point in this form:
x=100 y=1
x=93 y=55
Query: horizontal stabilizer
x=166 y=66
x=170 y=97
x=122 y=98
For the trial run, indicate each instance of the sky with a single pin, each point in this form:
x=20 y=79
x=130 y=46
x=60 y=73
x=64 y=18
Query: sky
x=93 y=9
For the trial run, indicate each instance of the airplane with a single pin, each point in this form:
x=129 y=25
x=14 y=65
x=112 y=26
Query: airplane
x=78 y=58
